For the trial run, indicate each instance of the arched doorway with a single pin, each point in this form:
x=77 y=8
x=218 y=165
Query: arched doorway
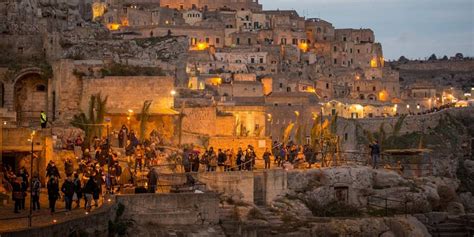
x=30 y=98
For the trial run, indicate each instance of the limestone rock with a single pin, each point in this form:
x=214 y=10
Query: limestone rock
x=434 y=218
x=467 y=200
x=388 y=234
x=383 y=178
x=455 y=209
x=469 y=165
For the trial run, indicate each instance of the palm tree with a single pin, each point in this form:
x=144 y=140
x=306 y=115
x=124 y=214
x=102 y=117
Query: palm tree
x=143 y=118
x=92 y=123
x=287 y=132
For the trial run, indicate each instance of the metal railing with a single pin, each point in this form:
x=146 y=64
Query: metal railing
x=386 y=205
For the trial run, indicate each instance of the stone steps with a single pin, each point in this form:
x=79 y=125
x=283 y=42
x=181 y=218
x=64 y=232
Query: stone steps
x=449 y=229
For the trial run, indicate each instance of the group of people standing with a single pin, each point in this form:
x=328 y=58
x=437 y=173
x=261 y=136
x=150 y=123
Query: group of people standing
x=72 y=188
x=223 y=160
x=293 y=154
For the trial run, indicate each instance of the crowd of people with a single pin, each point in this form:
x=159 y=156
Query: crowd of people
x=99 y=171
x=225 y=160
x=88 y=180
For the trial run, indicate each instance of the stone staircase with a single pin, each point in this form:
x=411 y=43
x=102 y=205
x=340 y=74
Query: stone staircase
x=459 y=226
x=229 y=221
x=234 y=228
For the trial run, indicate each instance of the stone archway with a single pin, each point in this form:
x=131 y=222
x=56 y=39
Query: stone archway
x=30 y=97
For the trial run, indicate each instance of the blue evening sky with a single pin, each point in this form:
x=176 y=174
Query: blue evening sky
x=414 y=28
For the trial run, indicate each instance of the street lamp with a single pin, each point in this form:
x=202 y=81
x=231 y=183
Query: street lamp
x=130 y=112
x=173 y=92
x=270 y=121
x=32 y=136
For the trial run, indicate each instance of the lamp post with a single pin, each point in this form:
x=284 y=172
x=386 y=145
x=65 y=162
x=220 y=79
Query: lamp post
x=270 y=121
x=30 y=215
x=129 y=118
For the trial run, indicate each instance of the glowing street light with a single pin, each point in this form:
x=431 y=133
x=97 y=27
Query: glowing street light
x=173 y=92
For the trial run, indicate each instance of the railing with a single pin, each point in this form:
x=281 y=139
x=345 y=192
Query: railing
x=384 y=204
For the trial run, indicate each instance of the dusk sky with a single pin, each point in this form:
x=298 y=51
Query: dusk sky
x=414 y=28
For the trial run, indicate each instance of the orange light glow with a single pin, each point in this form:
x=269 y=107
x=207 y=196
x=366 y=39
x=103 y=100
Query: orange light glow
x=124 y=21
x=215 y=81
x=303 y=47
x=98 y=10
x=373 y=63
x=201 y=46
x=383 y=95
x=311 y=89
x=113 y=26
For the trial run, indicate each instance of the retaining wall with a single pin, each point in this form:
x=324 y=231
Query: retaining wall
x=171 y=209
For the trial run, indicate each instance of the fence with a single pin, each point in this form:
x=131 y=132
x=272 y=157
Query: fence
x=387 y=205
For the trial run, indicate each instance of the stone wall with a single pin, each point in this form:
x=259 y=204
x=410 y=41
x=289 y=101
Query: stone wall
x=236 y=185
x=126 y=93
x=349 y=128
x=200 y=120
x=269 y=185
x=260 y=187
x=171 y=209
x=467 y=66
x=67 y=88
x=94 y=224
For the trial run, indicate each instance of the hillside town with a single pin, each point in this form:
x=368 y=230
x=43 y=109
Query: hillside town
x=251 y=118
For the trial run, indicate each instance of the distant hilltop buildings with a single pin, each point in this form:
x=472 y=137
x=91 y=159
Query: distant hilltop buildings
x=260 y=66
x=241 y=38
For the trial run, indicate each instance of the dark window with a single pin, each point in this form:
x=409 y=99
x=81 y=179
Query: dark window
x=238 y=40
x=218 y=40
x=40 y=88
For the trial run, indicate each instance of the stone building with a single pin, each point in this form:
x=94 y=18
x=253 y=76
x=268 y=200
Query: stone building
x=211 y=5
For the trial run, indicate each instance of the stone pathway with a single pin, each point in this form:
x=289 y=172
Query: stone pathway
x=15 y=221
